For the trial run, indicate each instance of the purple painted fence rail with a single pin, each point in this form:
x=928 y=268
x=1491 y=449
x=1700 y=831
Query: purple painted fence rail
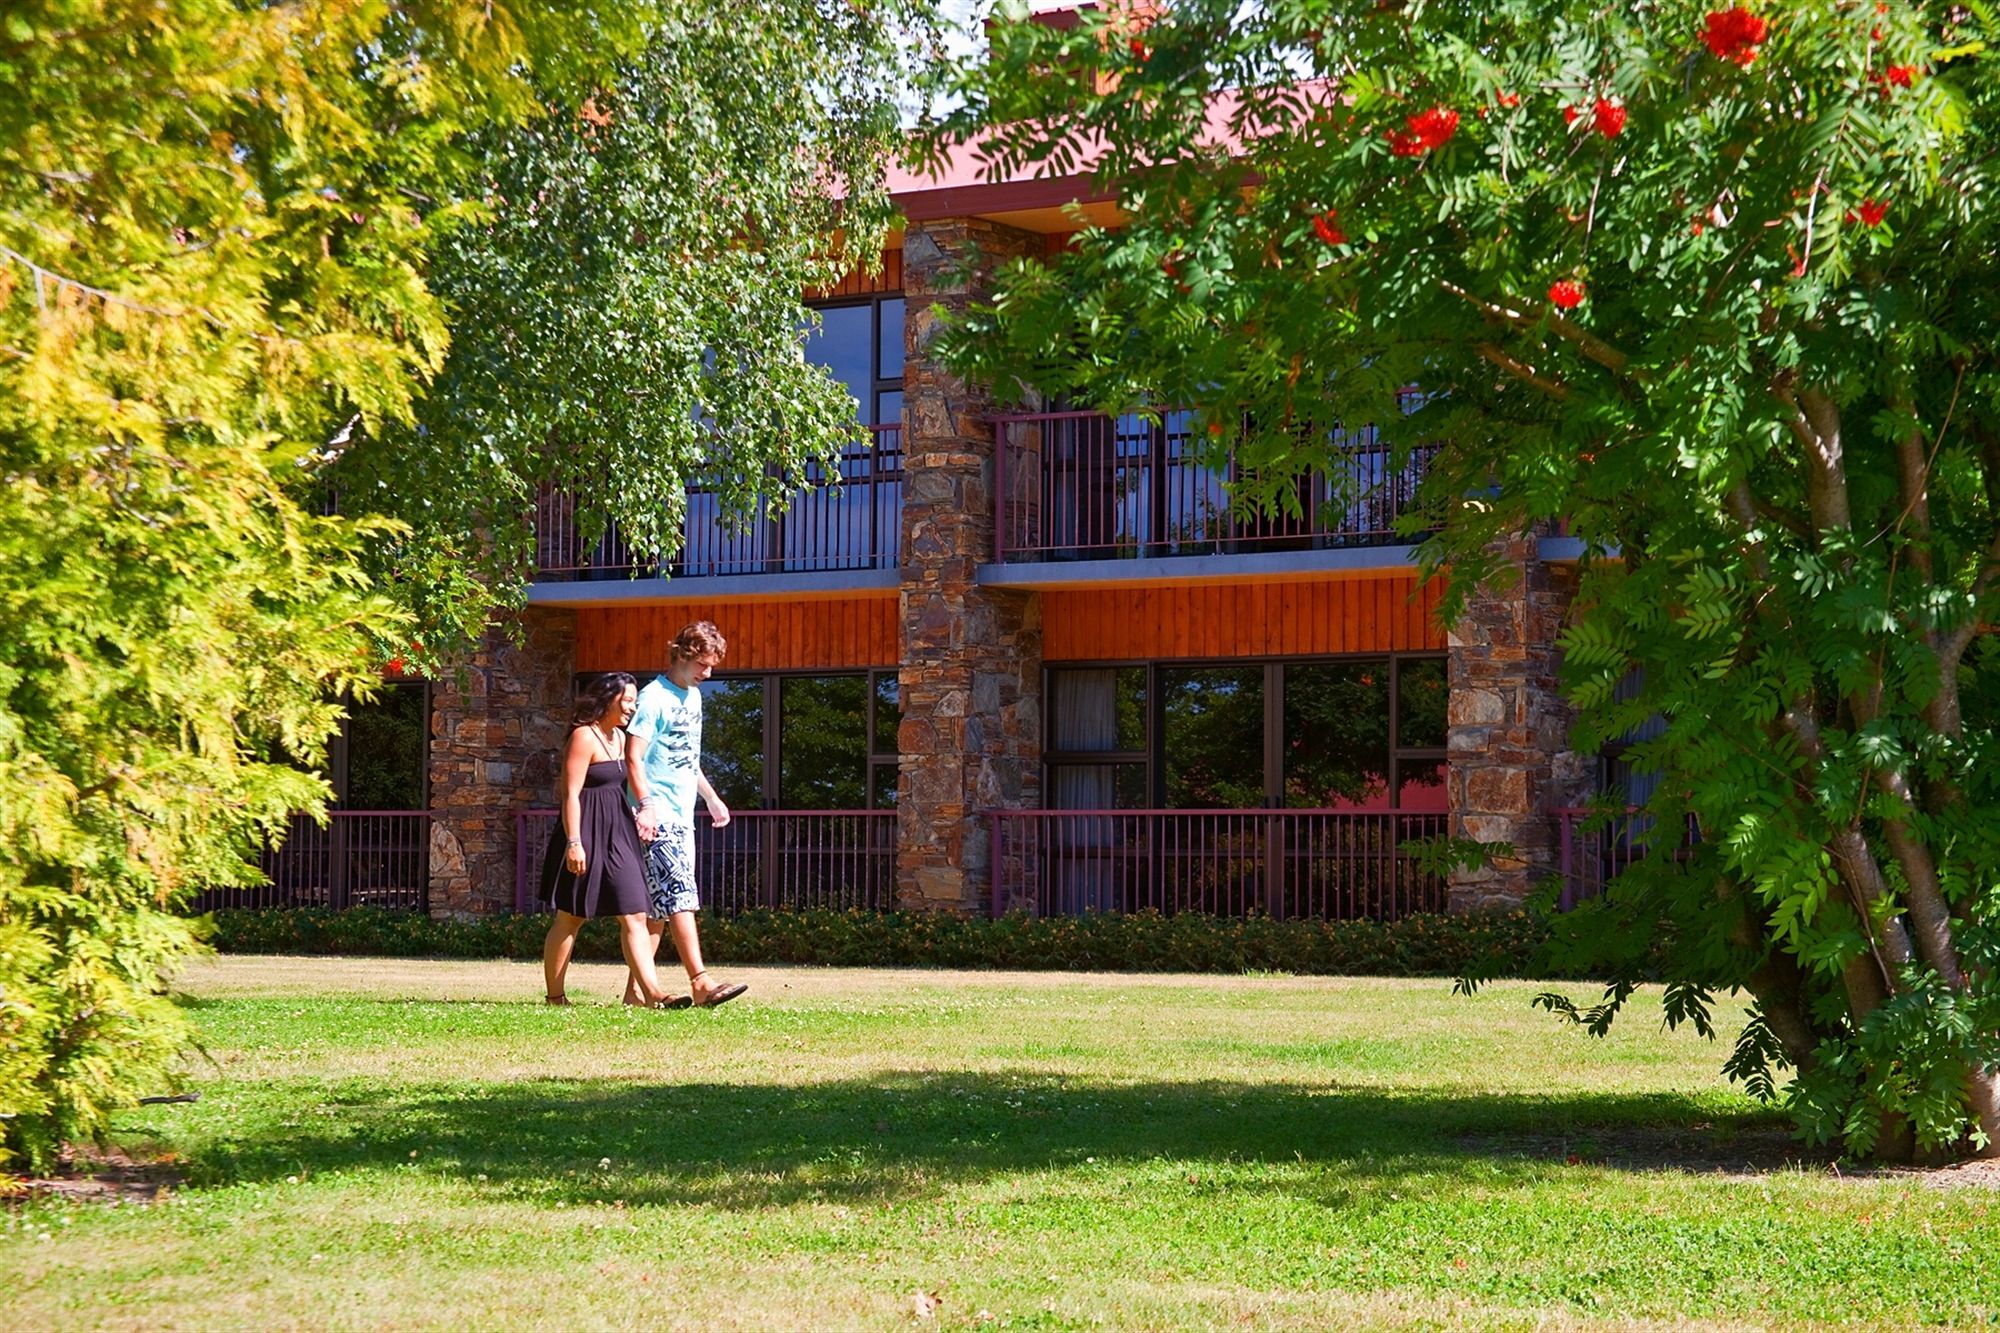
x=833 y=859
x=1082 y=485
x=361 y=858
x=1332 y=864
x=856 y=526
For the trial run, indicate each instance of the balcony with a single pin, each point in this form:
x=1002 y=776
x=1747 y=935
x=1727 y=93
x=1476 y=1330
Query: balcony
x=844 y=519
x=830 y=859
x=361 y=858
x=1082 y=486
x=1331 y=864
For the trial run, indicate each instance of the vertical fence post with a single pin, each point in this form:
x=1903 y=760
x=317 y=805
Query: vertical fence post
x=338 y=887
x=1567 y=899
x=996 y=848
x=1002 y=439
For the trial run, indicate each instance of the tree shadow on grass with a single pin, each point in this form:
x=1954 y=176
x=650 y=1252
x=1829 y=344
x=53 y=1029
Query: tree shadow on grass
x=905 y=1135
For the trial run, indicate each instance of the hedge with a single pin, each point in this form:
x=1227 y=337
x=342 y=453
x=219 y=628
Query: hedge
x=1496 y=946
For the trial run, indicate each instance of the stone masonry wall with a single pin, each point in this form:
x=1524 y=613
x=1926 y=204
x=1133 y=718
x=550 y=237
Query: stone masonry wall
x=495 y=730
x=1511 y=765
x=971 y=667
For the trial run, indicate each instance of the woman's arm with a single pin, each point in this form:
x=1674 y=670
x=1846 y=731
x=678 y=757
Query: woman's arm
x=635 y=783
x=576 y=762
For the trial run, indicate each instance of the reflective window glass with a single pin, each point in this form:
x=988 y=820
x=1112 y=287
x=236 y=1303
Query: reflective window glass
x=823 y=742
x=1213 y=735
x=1336 y=735
x=889 y=354
x=732 y=740
x=1420 y=703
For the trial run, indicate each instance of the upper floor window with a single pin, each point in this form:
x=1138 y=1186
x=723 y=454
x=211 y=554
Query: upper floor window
x=861 y=342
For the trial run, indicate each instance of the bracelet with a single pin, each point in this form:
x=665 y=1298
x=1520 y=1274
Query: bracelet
x=576 y=842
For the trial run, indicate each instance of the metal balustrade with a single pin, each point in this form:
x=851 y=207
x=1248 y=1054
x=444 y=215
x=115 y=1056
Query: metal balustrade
x=832 y=859
x=1596 y=848
x=852 y=525
x=360 y=858
x=1083 y=485
x=1332 y=864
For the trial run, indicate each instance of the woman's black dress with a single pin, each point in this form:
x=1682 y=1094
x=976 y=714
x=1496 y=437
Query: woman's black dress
x=613 y=882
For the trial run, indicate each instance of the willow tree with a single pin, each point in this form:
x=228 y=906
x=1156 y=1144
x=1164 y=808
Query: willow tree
x=1714 y=287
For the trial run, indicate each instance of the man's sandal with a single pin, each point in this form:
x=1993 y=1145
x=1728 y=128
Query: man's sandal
x=721 y=995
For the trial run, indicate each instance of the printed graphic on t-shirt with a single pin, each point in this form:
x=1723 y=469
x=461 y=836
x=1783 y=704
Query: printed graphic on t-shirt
x=668 y=723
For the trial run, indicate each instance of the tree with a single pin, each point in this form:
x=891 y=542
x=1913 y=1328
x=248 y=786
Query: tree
x=400 y=256
x=626 y=278
x=1714 y=286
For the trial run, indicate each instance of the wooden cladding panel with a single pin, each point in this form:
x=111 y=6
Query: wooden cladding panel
x=857 y=283
x=827 y=633
x=1243 y=620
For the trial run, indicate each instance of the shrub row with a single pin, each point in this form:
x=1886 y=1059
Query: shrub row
x=1147 y=942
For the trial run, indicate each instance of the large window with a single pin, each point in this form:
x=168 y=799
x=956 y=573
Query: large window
x=1355 y=733
x=856 y=525
x=802 y=742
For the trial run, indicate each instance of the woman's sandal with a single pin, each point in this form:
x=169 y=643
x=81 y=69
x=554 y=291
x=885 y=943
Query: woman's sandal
x=556 y=1001
x=720 y=995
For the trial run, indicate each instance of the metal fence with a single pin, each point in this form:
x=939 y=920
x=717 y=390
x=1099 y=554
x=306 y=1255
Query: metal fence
x=360 y=858
x=846 y=517
x=834 y=859
x=1596 y=848
x=1280 y=863
x=1083 y=485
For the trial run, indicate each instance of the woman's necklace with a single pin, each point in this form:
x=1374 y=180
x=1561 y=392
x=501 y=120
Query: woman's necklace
x=604 y=742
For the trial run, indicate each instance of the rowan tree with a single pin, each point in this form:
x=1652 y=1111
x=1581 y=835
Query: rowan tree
x=1712 y=287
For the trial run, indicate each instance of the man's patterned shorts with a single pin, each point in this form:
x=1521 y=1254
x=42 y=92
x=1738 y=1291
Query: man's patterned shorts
x=670 y=872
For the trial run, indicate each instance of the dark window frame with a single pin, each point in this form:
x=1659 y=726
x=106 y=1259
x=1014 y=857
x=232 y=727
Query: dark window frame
x=878 y=384
x=1153 y=756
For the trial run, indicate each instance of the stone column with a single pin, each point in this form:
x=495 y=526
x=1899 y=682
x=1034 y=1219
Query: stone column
x=496 y=724
x=972 y=658
x=1510 y=763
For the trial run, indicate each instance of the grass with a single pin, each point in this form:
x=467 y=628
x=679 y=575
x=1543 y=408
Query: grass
x=386 y=1143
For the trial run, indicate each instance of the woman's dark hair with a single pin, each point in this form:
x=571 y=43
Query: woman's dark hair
x=598 y=695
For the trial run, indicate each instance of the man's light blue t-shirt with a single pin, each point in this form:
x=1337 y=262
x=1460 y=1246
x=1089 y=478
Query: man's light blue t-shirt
x=668 y=725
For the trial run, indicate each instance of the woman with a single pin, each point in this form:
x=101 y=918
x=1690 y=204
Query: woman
x=595 y=866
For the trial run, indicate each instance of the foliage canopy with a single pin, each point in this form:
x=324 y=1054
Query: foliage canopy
x=1714 y=287
x=435 y=241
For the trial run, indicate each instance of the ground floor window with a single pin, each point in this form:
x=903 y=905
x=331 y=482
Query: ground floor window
x=1347 y=733
x=802 y=742
x=381 y=757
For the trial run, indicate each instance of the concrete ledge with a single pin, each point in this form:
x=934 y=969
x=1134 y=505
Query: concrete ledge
x=1263 y=566
x=730 y=587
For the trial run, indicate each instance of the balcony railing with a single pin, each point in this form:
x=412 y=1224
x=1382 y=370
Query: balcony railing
x=1281 y=863
x=1085 y=486
x=361 y=858
x=855 y=525
x=1595 y=849
x=834 y=859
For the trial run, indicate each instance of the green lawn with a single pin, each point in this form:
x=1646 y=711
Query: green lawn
x=409 y=1144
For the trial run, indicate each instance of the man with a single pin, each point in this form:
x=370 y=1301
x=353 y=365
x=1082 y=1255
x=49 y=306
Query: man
x=663 y=770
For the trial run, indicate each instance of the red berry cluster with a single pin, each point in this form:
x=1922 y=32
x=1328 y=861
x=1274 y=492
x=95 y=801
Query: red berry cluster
x=1565 y=294
x=1606 y=117
x=1323 y=224
x=1871 y=212
x=1424 y=131
x=1733 y=35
